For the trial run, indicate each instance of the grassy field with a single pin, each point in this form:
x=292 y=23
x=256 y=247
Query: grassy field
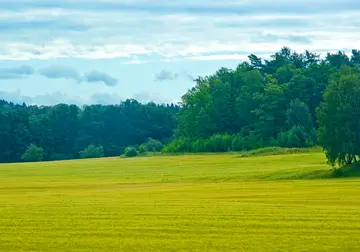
x=183 y=203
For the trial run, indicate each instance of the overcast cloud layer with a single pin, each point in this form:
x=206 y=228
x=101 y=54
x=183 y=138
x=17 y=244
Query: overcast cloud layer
x=137 y=32
x=109 y=29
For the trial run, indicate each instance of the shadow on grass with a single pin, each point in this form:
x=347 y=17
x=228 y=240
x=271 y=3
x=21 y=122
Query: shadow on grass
x=346 y=172
x=350 y=171
x=272 y=151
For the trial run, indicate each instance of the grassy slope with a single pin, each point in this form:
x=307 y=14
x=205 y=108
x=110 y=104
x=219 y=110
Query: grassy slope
x=184 y=203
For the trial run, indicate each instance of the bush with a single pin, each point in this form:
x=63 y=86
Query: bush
x=130 y=152
x=178 y=145
x=142 y=149
x=92 y=151
x=198 y=146
x=296 y=137
x=218 y=143
x=153 y=145
x=33 y=154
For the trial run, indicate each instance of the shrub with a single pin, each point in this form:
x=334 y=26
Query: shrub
x=178 y=145
x=142 y=149
x=33 y=154
x=153 y=145
x=130 y=152
x=237 y=143
x=218 y=143
x=92 y=151
x=198 y=145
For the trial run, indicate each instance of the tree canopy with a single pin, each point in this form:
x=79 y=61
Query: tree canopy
x=64 y=131
x=339 y=117
x=273 y=102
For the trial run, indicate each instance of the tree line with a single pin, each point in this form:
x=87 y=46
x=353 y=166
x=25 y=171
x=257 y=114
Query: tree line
x=33 y=133
x=289 y=100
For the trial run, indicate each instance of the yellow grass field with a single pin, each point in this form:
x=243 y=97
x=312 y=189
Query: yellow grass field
x=182 y=203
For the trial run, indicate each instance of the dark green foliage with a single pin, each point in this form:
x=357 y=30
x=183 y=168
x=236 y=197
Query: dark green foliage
x=92 y=151
x=218 y=143
x=298 y=114
x=265 y=103
x=63 y=131
x=57 y=157
x=33 y=154
x=130 y=152
x=297 y=137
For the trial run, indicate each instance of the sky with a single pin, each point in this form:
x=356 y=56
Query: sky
x=105 y=51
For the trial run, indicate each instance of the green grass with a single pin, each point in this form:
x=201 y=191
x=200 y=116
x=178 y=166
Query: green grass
x=181 y=203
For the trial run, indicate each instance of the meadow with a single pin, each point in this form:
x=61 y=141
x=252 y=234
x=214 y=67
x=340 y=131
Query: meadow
x=224 y=202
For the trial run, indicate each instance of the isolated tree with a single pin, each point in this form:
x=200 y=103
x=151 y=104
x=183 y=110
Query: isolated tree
x=33 y=154
x=339 y=117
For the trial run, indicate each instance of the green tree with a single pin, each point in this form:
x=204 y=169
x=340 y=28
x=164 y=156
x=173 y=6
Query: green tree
x=298 y=114
x=151 y=145
x=130 y=152
x=92 y=151
x=271 y=113
x=339 y=117
x=33 y=154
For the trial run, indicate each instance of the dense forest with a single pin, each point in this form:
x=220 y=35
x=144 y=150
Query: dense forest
x=288 y=100
x=63 y=131
x=261 y=103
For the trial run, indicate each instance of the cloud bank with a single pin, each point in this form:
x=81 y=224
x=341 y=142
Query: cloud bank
x=174 y=29
x=16 y=72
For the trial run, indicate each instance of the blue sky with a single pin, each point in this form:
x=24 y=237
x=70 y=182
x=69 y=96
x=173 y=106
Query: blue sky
x=87 y=52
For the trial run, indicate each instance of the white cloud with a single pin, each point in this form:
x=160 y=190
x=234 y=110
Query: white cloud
x=173 y=30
